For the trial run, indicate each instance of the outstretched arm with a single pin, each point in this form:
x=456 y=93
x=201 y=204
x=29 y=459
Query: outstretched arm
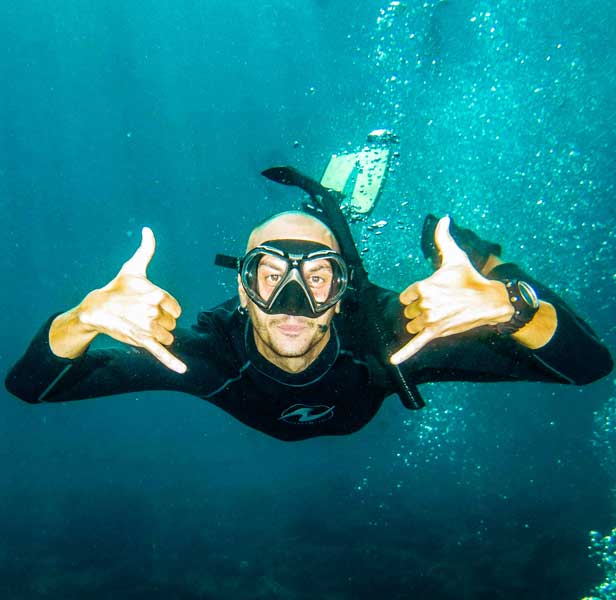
x=42 y=376
x=457 y=300
x=129 y=309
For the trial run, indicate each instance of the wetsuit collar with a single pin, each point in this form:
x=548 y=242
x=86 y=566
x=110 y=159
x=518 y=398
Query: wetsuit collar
x=322 y=364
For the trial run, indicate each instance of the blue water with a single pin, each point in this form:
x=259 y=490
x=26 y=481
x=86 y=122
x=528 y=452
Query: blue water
x=117 y=115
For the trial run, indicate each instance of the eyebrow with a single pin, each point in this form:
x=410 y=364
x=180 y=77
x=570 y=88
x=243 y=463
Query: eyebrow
x=273 y=263
x=319 y=267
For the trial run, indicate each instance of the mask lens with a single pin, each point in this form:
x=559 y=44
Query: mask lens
x=271 y=271
x=290 y=277
x=320 y=276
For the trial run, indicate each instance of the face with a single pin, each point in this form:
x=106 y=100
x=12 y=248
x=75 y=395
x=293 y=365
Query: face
x=289 y=341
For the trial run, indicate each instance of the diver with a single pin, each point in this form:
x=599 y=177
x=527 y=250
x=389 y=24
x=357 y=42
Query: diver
x=295 y=354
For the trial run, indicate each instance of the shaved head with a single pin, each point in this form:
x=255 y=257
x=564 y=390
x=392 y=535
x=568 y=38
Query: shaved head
x=294 y=225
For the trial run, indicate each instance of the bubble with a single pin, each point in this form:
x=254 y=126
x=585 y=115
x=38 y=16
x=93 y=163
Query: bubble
x=603 y=548
x=523 y=117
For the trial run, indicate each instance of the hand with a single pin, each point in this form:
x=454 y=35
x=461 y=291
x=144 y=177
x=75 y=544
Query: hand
x=131 y=309
x=454 y=299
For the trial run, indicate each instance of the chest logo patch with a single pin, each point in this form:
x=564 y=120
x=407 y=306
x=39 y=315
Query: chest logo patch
x=300 y=414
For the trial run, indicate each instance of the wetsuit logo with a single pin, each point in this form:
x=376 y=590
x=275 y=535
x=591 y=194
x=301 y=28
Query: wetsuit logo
x=301 y=414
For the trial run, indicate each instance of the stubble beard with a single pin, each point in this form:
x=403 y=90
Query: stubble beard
x=274 y=343
x=288 y=346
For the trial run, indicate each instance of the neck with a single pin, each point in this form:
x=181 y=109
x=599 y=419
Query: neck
x=291 y=364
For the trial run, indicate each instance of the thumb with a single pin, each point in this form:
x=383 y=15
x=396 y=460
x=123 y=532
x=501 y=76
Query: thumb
x=138 y=263
x=446 y=245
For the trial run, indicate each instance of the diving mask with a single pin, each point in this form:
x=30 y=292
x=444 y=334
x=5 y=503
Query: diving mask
x=294 y=277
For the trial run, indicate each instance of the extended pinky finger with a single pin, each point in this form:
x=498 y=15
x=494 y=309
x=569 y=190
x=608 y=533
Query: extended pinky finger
x=413 y=347
x=163 y=355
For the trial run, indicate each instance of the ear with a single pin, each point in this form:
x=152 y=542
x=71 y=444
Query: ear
x=242 y=293
x=337 y=308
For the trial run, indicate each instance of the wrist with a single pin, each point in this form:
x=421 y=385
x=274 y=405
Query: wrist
x=69 y=336
x=83 y=315
x=539 y=332
x=524 y=303
x=505 y=310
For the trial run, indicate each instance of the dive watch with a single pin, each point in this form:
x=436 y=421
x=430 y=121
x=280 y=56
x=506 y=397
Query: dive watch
x=525 y=304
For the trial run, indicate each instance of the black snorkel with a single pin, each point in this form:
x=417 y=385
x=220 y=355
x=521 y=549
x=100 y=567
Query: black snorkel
x=326 y=207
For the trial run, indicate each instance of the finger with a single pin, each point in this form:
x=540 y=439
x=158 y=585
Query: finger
x=162 y=354
x=162 y=299
x=166 y=321
x=170 y=305
x=416 y=325
x=413 y=347
x=446 y=245
x=410 y=294
x=161 y=335
x=138 y=263
x=412 y=310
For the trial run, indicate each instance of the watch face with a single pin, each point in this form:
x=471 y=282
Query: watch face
x=528 y=294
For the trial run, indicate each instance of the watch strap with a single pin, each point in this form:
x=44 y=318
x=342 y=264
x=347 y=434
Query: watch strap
x=523 y=311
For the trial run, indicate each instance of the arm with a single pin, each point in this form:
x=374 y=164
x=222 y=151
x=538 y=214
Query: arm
x=459 y=302
x=574 y=354
x=42 y=376
x=129 y=309
x=206 y=348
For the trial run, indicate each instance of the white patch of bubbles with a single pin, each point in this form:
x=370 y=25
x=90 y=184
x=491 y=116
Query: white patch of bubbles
x=603 y=547
x=508 y=133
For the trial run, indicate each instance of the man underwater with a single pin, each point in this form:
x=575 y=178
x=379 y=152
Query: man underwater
x=290 y=356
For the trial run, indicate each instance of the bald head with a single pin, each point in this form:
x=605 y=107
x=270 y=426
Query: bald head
x=293 y=225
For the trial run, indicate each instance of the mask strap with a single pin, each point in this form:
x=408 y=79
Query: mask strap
x=229 y=262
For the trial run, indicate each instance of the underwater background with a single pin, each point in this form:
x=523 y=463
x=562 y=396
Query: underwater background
x=115 y=115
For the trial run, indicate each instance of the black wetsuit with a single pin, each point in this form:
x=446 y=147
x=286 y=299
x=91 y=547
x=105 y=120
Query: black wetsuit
x=338 y=394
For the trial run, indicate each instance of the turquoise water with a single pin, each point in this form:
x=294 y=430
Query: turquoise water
x=113 y=116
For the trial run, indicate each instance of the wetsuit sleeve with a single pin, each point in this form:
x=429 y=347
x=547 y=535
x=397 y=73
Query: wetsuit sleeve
x=41 y=376
x=574 y=355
